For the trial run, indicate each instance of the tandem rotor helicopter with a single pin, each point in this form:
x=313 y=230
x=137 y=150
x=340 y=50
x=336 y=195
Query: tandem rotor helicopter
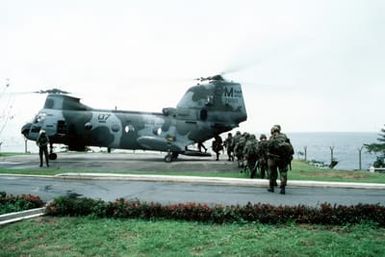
x=211 y=107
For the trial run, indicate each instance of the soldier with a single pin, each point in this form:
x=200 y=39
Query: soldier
x=262 y=156
x=229 y=146
x=250 y=154
x=217 y=145
x=238 y=149
x=42 y=142
x=200 y=146
x=280 y=152
x=236 y=139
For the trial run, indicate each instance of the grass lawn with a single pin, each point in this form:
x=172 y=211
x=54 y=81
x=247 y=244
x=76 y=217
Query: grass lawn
x=300 y=171
x=87 y=236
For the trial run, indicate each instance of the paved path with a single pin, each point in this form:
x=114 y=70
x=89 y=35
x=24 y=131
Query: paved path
x=171 y=192
x=171 y=189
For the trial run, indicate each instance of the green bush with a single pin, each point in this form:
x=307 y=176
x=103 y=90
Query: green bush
x=326 y=214
x=10 y=203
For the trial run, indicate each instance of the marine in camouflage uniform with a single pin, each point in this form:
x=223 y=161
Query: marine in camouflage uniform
x=217 y=146
x=236 y=139
x=229 y=144
x=262 y=149
x=239 y=147
x=279 y=158
x=250 y=154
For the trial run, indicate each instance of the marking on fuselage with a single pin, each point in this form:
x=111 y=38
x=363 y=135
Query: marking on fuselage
x=103 y=117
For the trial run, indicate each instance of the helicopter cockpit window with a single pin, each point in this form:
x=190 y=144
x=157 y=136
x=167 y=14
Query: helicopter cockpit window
x=40 y=117
x=88 y=126
x=49 y=103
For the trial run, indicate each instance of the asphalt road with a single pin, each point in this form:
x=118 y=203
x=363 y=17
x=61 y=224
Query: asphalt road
x=166 y=192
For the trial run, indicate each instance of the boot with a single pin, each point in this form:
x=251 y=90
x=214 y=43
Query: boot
x=271 y=190
x=282 y=192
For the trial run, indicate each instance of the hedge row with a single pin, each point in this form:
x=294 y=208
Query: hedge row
x=11 y=203
x=326 y=214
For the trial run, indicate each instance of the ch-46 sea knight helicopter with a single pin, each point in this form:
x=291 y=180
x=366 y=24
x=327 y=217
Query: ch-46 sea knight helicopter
x=211 y=107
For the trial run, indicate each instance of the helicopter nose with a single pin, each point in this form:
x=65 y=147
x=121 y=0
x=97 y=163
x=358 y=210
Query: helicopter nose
x=25 y=129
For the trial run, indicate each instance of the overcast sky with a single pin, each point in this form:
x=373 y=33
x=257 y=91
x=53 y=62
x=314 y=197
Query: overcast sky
x=307 y=65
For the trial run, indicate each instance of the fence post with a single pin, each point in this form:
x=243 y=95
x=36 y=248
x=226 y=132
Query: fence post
x=360 y=158
x=25 y=145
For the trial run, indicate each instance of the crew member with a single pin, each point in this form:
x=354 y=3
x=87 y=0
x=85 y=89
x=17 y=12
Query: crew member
x=42 y=142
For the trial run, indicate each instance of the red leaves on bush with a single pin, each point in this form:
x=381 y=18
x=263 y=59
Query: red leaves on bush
x=263 y=213
x=11 y=203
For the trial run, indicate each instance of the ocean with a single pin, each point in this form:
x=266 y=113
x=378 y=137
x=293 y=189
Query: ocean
x=318 y=145
x=345 y=146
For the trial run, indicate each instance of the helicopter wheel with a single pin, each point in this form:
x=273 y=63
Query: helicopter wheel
x=174 y=156
x=52 y=156
x=168 y=158
x=171 y=156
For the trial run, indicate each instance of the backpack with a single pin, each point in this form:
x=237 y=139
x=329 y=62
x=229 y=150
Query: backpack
x=282 y=147
x=251 y=149
x=239 y=146
x=262 y=149
x=285 y=151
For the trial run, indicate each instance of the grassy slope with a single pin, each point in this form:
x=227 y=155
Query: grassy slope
x=103 y=237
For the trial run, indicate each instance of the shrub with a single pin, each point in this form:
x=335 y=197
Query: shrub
x=11 y=203
x=326 y=214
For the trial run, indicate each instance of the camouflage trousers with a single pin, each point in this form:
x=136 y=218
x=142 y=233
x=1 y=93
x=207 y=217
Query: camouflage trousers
x=275 y=166
x=252 y=167
x=262 y=167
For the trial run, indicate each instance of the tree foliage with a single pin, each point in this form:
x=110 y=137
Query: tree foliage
x=378 y=147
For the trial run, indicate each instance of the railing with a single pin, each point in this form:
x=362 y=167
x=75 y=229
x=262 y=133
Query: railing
x=372 y=169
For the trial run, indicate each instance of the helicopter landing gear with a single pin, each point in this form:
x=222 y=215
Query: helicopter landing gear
x=171 y=156
x=52 y=155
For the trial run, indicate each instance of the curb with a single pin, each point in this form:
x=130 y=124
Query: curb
x=22 y=215
x=218 y=181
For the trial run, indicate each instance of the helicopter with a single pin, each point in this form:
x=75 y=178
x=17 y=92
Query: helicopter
x=213 y=106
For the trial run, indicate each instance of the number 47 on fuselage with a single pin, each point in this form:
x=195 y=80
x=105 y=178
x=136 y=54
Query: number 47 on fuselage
x=209 y=108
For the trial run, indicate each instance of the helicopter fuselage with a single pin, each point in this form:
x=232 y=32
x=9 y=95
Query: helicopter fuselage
x=203 y=112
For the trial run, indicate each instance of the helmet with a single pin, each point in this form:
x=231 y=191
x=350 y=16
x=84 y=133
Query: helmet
x=274 y=129
x=262 y=136
x=279 y=127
